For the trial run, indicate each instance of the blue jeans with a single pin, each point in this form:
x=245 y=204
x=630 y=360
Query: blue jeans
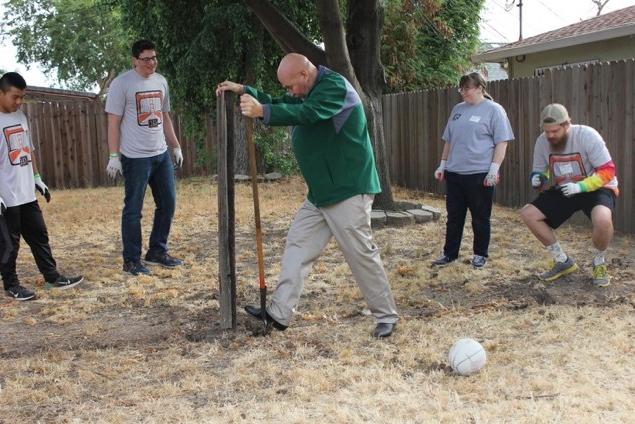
x=465 y=192
x=158 y=172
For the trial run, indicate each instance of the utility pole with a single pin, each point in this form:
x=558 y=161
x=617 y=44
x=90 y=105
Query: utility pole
x=520 y=15
x=508 y=8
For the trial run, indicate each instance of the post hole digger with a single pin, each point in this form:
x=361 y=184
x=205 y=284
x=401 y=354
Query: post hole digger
x=261 y=312
x=251 y=147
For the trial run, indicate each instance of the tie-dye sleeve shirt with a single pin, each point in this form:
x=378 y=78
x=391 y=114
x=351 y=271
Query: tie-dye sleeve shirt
x=584 y=160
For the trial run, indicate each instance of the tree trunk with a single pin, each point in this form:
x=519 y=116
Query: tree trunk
x=337 y=56
x=364 y=28
x=363 y=69
x=241 y=156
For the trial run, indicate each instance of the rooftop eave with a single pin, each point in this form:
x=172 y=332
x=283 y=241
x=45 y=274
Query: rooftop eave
x=500 y=55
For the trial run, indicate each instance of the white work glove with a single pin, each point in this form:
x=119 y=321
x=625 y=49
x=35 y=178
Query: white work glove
x=178 y=157
x=439 y=174
x=491 y=179
x=570 y=189
x=41 y=187
x=3 y=206
x=114 y=165
x=536 y=181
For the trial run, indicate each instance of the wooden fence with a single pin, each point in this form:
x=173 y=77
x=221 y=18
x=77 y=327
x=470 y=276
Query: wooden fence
x=600 y=95
x=72 y=147
x=73 y=150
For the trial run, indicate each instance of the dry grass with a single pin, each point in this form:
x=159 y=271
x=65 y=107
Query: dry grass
x=148 y=349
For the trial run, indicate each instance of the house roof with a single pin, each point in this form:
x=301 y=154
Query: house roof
x=620 y=23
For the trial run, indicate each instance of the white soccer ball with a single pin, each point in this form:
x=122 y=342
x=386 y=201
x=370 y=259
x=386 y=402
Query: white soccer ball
x=467 y=357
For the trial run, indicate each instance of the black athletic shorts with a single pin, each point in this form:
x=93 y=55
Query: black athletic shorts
x=558 y=208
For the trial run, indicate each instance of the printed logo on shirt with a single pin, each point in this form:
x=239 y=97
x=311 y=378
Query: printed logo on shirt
x=149 y=105
x=567 y=168
x=456 y=116
x=475 y=118
x=17 y=145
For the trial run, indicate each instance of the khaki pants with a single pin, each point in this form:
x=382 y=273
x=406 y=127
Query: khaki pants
x=311 y=230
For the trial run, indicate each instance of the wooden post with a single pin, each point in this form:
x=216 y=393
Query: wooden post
x=226 y=224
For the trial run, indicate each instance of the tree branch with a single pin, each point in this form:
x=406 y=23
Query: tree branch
x=104 y=83
x=337 y=56
x=284 y=32
x=600 y=5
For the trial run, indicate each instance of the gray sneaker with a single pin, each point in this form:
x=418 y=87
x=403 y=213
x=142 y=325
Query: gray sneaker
x=600 y=275
x=559 y=269
x=479 y=261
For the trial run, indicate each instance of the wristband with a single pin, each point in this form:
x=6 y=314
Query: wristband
x=114 y=155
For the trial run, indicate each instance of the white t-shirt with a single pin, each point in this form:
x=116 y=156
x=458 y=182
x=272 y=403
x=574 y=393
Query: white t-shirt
x=585 y=150
x=141 y=102
x=472 y=132
x=17 y=186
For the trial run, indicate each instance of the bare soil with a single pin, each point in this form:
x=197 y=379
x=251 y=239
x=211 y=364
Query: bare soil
x=150 y=349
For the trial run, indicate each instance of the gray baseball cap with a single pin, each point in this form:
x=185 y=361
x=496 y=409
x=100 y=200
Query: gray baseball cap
x=554 y=113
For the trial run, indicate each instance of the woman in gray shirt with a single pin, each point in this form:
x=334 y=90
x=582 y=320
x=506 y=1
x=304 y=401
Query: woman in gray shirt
x=476 y=138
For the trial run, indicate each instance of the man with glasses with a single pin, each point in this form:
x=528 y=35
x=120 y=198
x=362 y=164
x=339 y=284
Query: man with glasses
x=139 y=125
x=582 y=174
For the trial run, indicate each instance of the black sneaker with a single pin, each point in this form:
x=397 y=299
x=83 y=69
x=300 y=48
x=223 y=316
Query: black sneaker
x=135 y=268
x=164 y=260
x=443 y=261
x=62 y=282
x=257 y=313
x=20 y=293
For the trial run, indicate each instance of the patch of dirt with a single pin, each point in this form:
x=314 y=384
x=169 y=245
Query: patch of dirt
x=115 y=329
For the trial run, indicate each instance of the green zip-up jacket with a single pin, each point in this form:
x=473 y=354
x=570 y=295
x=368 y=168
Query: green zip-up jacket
x=330 y=138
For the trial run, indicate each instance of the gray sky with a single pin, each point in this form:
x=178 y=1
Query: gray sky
x=497 y=25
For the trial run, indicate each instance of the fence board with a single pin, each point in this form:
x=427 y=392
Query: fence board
x=628 y=178
x=72 y=150
x=71 y=143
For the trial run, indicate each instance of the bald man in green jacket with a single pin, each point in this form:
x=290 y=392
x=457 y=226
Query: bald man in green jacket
x=331 y=144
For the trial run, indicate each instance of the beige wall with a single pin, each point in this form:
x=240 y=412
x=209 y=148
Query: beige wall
x=616 y=49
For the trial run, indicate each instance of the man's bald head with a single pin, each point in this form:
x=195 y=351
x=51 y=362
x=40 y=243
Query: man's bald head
x=292 y=64
x=297 y=74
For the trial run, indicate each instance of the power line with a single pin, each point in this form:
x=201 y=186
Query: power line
x=495 y=30
x=552 y=11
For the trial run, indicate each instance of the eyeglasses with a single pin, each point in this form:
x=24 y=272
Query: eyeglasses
x=148 y=59
x=464 y=89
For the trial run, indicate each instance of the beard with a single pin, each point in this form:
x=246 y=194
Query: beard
x=558 y=144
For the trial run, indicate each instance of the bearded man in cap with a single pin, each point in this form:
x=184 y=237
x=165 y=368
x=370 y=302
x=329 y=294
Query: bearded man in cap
x=574 y=171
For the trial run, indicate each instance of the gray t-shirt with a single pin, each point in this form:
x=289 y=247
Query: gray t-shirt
x=584 y=152
x=17 y=185
x=472 y=132
x=141 y=102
